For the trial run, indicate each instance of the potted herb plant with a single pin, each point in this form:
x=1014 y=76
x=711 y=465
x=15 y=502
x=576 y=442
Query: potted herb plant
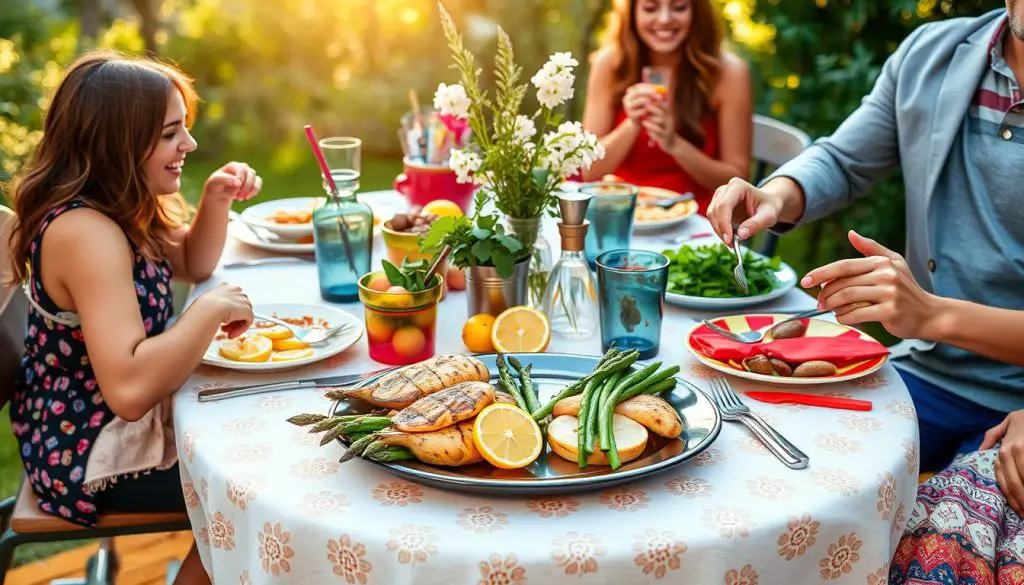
x=519 y=160
x=496 y=263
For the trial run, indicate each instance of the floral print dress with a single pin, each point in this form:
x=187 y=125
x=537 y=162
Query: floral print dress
x=58 y=410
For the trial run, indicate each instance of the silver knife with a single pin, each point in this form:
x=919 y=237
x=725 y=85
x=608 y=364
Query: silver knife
x=268 y=261
x=213 y=394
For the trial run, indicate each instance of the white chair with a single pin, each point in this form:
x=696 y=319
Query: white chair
x=21 y=521
x=774 y=144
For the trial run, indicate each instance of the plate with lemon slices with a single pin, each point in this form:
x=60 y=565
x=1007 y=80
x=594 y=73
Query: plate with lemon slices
x=266 y=347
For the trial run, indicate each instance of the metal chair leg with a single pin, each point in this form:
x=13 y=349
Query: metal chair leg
x=8 y=542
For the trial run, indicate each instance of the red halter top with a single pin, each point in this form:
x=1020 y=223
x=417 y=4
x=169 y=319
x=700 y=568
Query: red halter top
x=649 y=166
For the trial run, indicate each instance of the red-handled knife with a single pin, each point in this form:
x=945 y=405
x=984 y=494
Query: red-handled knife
x=810 y=400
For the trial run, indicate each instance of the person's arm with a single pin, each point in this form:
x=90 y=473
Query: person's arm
x=880 y=288
x=599 y=118
x=734 y=116
x=194 y=251
x=133 y=372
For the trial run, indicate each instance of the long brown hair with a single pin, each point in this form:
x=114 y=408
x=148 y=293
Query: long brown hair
x=103 y=123
x=698 y=71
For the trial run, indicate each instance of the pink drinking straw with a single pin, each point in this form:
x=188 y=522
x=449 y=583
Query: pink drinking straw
x=319 y=154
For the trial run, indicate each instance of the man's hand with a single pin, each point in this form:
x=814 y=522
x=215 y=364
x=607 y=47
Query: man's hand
x=1010 y=462
x=878 y=288
x=234 y=181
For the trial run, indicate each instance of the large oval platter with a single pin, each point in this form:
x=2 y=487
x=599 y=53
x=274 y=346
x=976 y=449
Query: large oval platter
x=550 y=474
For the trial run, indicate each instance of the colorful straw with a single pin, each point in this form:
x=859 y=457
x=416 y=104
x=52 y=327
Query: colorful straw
x=342 y=227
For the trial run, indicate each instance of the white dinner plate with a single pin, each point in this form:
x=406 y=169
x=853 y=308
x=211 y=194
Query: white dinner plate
x=333 y=346
x=242 y=233
x=815 y=328
x=260 y=215
x=663 y=224
x=786 y=275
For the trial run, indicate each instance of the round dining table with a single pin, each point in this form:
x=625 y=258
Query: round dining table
x=268 y=504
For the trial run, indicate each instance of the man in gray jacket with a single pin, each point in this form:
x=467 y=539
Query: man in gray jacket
x=947 y=109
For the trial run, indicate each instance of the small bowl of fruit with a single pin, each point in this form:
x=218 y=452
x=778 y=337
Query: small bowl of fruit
x=402 y=234
x=401 y=312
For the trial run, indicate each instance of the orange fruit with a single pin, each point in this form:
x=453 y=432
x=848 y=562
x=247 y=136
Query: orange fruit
x=291 y=355
x=476 y=333
x=409 y=341
x=443 y=208
x=507 y=437
x=251 y=348
x=378 y=327
x=520 y=329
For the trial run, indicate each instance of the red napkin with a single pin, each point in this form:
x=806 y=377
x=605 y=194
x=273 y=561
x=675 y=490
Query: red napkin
x=842 y=350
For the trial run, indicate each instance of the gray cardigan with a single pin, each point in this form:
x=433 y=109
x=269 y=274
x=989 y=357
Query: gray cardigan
x=910 y=120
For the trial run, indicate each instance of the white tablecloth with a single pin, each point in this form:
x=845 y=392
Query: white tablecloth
x=268 y=505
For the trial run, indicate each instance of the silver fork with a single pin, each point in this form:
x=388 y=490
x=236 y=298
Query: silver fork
x=738 y=272
x=757 y=335
x=734 y=410
x=310 y=336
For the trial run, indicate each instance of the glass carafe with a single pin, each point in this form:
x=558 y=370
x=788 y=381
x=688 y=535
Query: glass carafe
x=570 y=301
x=343 y=238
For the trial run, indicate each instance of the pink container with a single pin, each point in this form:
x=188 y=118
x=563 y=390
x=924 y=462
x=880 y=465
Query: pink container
x=422 y=183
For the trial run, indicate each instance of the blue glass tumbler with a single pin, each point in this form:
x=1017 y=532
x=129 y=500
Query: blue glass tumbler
x=343 y=239
x=611 y=217
x=631 y=295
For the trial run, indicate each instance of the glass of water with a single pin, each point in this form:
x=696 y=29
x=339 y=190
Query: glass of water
x=611 y=217
x=343 y=227
x=631 y=288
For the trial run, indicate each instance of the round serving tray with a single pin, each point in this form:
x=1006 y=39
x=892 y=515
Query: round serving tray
x=550 y=474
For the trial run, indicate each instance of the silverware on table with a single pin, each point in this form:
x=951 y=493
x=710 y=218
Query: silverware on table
x=269 y=261
x=667 y=202
x=738 y=272
x=676 y=240
x=261 y=234
x=758 y=335
x=309 y=335
x=214 y=394
x=733 y=409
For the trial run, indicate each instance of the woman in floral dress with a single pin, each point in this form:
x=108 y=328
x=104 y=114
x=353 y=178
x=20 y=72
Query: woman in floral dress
x=99 y=233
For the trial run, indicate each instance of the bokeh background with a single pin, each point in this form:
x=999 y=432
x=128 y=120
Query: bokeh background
x=265 y=68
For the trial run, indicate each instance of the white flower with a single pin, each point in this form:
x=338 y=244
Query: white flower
x=452 y=100
x=464 y=164
x=570 y=148
x=524 y=129
x=554 y=81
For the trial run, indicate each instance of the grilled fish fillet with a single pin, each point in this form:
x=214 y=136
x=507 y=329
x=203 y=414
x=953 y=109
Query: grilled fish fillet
x=651 y=411
x=407 y=385
x=451 y=446
x=444 y=408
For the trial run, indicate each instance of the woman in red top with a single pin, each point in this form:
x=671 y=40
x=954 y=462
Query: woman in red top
x=696 y=137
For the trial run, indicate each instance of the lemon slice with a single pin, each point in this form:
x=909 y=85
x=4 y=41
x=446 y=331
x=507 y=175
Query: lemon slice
x=520 y=329
x=291 y=355
x=275 y=332
x=252 y=348
x=507 y=437
x=289 y=343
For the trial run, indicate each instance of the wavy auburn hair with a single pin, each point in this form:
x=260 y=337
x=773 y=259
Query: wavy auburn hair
x=104 y=121
x=696 y=76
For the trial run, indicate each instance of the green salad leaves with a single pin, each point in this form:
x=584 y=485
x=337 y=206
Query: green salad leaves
x=706 y=271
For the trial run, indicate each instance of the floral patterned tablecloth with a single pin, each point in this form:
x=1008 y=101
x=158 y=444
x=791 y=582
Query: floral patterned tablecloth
x=268 y=505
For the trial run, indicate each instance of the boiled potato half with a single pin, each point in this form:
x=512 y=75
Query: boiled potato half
x=630 y=439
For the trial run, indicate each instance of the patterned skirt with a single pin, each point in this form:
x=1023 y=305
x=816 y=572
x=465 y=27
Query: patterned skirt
x=962 y=531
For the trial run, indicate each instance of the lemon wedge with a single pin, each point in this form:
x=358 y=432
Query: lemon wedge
x=252 y=348
x=289 y=343
x=507 y=437
x=291 y=355
x=275 y=332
